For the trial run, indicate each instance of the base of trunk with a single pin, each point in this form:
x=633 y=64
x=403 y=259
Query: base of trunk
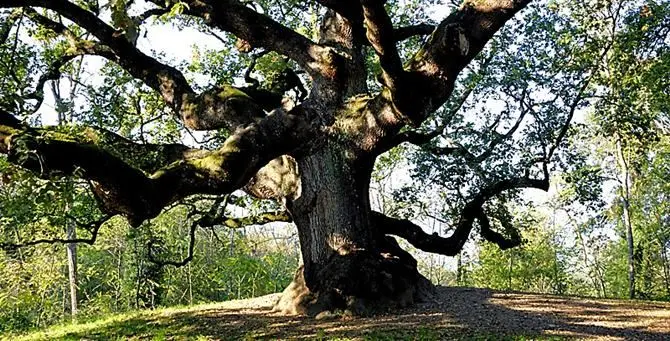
x=359 y=283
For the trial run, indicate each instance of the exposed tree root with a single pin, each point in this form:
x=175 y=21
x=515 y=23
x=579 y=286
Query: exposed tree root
x=360 y=283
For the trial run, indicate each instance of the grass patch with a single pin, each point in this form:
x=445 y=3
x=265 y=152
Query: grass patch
x=159 y=324
x=203 y=322
x=463 y=314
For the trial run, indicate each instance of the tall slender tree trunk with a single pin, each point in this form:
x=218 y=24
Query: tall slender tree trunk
x=666 y=266
x=347 y=263
x=459 y=268
x=190 y=284
x=585 y=257
x=599 y=273
x=509 y=271
x=625 y=198
x=72 y=268
x=70 y=228
x=598 y=282
x=119 y=279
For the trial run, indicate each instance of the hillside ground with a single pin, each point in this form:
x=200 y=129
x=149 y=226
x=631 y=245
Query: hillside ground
x=455 y=314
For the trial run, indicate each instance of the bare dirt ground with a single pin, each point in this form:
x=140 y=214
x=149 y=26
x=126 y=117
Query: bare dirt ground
x=456 y=313
x=479 y=313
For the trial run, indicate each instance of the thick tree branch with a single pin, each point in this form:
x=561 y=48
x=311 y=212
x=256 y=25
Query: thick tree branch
x=391 y=120
x=379 y=31
x=495 y=237
x=277 y=180
x=421 y=138
x=223 y=106
x=93 y=227
x=216 y=216
x=571 y=113
x=138 y=190
x=448 y=246
x=406 y=32
x=256 y=219
x=53 y=73
x=414 y=234
x=352 y=10
x=432 y=72
x=349 y=9
x=7 y=122
x=53 y=70
x=473 y=210
x=167 y=80
x=147 y=158
x=150 y=13
x=347 y=36
x=7 y=25
x=257 y=29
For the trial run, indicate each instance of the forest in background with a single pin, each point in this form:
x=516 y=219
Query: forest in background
x=603 y=231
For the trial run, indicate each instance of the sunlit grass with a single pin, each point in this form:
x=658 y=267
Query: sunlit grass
x=240 y=320
x=143 y=324
x=191 y=323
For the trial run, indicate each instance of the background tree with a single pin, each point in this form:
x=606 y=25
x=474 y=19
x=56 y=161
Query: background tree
x=630 y=106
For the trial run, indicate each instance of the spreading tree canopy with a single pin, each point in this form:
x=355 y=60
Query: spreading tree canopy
x=297 y=107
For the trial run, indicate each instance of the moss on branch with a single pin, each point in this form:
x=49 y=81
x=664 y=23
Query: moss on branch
x=138 y=180
x=259 y=219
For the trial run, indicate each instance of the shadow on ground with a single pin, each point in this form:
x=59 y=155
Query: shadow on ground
x=457 y=313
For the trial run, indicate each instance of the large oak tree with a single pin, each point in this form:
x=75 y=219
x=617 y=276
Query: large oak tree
x=314 y=154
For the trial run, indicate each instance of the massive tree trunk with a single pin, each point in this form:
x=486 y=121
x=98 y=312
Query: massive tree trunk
x=316 y=156
x=348 y=263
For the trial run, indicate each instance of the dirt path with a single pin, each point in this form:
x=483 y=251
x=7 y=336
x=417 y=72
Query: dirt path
x=456 y=313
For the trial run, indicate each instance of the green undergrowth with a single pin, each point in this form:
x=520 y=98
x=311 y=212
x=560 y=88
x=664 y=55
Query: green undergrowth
x=142 y=325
